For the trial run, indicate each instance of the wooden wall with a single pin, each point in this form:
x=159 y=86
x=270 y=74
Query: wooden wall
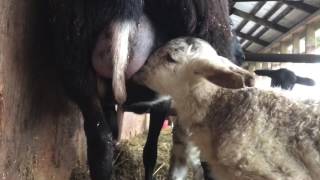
x=41 y=134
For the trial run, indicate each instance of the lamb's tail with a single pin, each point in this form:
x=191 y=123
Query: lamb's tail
x=268 y=73
x=305 y=81
x=120 y=50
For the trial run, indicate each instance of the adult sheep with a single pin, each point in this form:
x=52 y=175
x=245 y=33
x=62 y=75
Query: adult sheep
x=244 y=133
x=284 y=78
x=99 y=44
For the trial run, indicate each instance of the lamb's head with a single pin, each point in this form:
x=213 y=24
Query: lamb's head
x=184 y=62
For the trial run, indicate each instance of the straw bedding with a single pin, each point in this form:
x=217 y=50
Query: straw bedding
x=128 y=163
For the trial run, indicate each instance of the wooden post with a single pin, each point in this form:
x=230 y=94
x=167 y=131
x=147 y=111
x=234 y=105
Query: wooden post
x=284 y=50
x=295 y=43
x=283 y=47
x=41 y=133
x=310 y=38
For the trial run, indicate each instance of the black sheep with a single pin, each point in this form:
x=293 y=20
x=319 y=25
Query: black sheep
x=284 y=78
x=77 y=27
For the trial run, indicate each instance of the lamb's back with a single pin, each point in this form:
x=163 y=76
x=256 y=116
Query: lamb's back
x=262 y=134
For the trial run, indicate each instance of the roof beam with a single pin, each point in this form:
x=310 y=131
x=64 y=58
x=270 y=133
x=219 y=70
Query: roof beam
x=263 y=0
x=294 y=58
x=266 y=16
x=277 y=19
x=253 y=39
x=260 y=20
x=298 y=4
x=302 y=6
x=313 y=17
x=253 y=12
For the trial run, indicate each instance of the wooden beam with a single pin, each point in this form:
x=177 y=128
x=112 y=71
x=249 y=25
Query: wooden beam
x=294 y=58
x=313 y=17
x=262 y=0
x=302 y=6
x=260 y=20
x=298 y=4
x=266 y=16
x=277 y=19
x=253 y=39
x=253 y=12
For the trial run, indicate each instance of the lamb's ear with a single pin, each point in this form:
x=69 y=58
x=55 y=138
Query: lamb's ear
x=223 y=76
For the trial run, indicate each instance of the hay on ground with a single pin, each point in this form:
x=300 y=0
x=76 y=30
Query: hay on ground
x=128 y=164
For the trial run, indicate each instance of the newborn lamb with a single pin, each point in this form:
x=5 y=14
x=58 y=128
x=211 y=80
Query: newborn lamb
x=244 y=133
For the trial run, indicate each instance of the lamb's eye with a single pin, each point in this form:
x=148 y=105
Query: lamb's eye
x=170 y=59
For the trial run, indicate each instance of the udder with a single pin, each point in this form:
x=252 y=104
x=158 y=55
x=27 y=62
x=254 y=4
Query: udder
x=141 y=43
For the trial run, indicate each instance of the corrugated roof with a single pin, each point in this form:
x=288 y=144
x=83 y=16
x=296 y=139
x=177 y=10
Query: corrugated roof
x=260 y=23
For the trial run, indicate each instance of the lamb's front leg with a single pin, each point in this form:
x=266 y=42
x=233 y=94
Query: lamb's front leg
x=178 y=169
x=193 y=155
x=182 y=153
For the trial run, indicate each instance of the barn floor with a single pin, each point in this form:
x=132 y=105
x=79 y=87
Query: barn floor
x=128 y=163
x=128 y=160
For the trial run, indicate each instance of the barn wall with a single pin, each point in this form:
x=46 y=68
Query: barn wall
x=41 y=133
x=134 y=124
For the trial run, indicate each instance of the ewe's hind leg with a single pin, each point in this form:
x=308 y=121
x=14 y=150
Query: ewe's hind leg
x=158 y=114
x=99 y=140
x=206 y=171
x=111 y=117
x=81 y=86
